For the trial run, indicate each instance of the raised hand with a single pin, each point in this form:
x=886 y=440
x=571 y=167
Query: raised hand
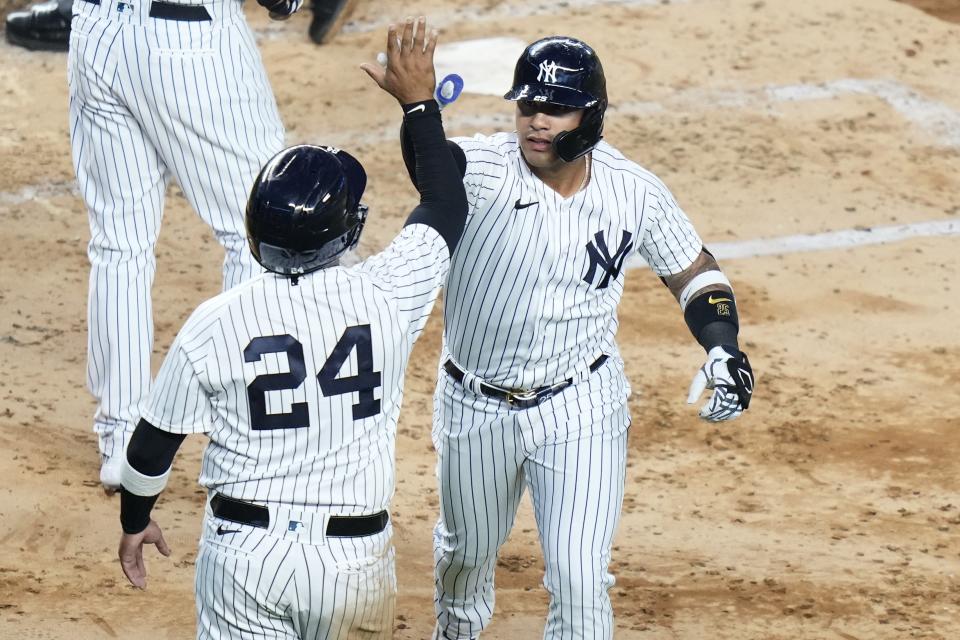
x=408 y=75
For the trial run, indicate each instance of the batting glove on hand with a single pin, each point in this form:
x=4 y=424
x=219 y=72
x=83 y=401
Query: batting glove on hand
x=727 y=371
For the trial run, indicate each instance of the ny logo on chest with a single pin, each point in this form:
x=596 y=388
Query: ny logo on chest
x=600 y=258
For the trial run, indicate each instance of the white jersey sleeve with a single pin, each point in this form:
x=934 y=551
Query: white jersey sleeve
x=414 y=267
x=179 y=402
x=669 y=243
x=486 y=168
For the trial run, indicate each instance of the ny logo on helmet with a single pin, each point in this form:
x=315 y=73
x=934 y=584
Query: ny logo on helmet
x=600 y=257
x=548 y=71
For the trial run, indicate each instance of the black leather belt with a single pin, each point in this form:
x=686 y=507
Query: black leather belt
x=518 y=398
x=257 y=515
x=174 y=11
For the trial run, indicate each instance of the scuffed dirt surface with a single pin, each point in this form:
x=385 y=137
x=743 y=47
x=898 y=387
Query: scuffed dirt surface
x=830 y=510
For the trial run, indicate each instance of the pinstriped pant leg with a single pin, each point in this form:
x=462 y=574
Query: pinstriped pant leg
x=217 y=138
x=346 y=588
x=576 y=480
x=122 y=180
x=241 y=585
x=481 y=482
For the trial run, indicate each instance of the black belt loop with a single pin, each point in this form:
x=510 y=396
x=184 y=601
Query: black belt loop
x=519 y=399
x=181 y=12
x=256 y=515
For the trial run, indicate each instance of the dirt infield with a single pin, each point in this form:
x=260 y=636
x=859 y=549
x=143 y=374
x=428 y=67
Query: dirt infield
x=831 y=510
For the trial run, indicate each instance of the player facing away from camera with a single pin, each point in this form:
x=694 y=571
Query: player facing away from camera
x=531 y=391
x=296 y=376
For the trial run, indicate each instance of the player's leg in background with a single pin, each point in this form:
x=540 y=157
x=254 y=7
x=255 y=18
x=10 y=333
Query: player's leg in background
x=480 y=481
x=223 y=122
x=121 y=178
x=576 y=481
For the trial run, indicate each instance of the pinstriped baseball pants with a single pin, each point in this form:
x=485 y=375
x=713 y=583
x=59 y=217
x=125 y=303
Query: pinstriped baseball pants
x=570 y=453
x=151 y=100
x=279 y=584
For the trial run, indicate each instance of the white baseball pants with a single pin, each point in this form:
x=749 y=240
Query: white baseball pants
x=293 y=582
x=153 y=99
x=570 y=453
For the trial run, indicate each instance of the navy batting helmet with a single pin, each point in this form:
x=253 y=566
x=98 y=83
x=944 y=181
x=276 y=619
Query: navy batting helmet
x=564 y=71
x=304 y=210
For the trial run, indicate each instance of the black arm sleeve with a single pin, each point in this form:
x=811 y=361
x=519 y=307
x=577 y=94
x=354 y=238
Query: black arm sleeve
x=150 y=452
x=443 y=200
x=406 y=148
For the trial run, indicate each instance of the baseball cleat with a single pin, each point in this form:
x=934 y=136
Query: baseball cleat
x=40 y=27
x=328 y=17
x=111 y=468
x=113 y=449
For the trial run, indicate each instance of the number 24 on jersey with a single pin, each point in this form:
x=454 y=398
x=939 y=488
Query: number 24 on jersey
x=364 y=383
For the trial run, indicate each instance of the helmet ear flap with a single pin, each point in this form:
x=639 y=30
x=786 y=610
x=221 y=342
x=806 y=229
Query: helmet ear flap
x=571 y=145
x=355 y=175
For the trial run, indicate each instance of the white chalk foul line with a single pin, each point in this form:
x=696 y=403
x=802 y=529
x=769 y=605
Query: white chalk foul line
x=823 y=241
x=936 y=117
x=35 y=192
x=722 y=250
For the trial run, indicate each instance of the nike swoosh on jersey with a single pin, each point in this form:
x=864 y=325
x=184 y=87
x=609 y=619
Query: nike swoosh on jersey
x=519 y=206
x=419 y=107
x=221 y=531
x=712 y=300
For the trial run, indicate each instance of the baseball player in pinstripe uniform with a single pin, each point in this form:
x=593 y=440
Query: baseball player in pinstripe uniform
x=297 y=378
x=532 y=392
x=158 y=90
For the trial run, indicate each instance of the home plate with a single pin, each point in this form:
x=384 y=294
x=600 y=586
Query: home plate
x=485 y=65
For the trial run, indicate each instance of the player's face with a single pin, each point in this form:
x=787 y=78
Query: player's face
x=537 y=125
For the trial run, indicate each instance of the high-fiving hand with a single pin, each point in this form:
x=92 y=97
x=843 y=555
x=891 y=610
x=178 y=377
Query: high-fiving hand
x=408 y=75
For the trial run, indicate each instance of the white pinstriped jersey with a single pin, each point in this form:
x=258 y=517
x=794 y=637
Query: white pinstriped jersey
x=299 y=386
x=535 y=282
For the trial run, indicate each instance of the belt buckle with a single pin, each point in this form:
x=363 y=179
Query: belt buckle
x=530 y=398
x=522 y=399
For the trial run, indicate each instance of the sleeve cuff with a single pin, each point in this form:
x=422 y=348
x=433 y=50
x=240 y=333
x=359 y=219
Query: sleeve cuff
x=420 y=109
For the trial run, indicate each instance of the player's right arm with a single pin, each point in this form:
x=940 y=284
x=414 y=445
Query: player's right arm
x=149 y=458
x=409 y=77
x=178 y=405
x=409 y=157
